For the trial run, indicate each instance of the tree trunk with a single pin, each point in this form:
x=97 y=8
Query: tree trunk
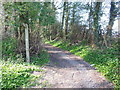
x=27 y=43
x=50 y=30
x=90 y=17
x=66 y=22
x=90 y=20
x=111 y=19
x=96 y=18
x=73 y=14
x=63 y=14
x=113 y=14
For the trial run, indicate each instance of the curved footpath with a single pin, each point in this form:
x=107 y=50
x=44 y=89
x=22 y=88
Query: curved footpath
x=66 y=70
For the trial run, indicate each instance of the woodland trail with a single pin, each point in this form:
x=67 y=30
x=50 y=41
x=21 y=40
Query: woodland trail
x=66 y=70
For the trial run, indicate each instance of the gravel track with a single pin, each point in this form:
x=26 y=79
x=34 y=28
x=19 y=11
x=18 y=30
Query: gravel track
x=66 y=70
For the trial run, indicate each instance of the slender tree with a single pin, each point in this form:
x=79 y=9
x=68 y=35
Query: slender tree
x=90 y=18
x=66 y=21
x=63 y=16
x=73 y=13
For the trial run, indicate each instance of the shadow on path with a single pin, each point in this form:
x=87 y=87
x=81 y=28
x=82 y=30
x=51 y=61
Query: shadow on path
x=66 y=70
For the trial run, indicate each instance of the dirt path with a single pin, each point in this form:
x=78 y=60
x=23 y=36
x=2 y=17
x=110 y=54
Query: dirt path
x=66 y=70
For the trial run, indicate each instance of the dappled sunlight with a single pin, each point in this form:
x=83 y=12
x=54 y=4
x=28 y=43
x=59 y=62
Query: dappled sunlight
x=67 y=68
x=54 y=51
x=103 y=61
x=84 y=44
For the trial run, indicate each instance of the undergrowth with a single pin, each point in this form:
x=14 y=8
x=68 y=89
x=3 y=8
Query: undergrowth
x=16 y=73
x=104 y=60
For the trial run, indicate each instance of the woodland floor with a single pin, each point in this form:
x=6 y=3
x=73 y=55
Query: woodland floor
x=66 y=70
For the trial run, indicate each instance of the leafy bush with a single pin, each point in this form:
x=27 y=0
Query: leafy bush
x=106 y=60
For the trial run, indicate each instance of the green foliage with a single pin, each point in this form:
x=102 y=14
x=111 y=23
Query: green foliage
x=8 y=47
x=47 y=16
x=17 y=75
x=9 y=50
x=40 y=59
x=15 y=72
x=29 y=12
x=106 y=60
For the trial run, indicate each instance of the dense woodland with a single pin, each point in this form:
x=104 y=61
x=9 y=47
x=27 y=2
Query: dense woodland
x=26 y=26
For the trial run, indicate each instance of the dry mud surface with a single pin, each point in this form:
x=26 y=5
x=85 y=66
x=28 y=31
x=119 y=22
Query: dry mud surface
x=66 y=70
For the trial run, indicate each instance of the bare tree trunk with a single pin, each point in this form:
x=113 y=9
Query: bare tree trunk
x=27 y=43
x=63 y=14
